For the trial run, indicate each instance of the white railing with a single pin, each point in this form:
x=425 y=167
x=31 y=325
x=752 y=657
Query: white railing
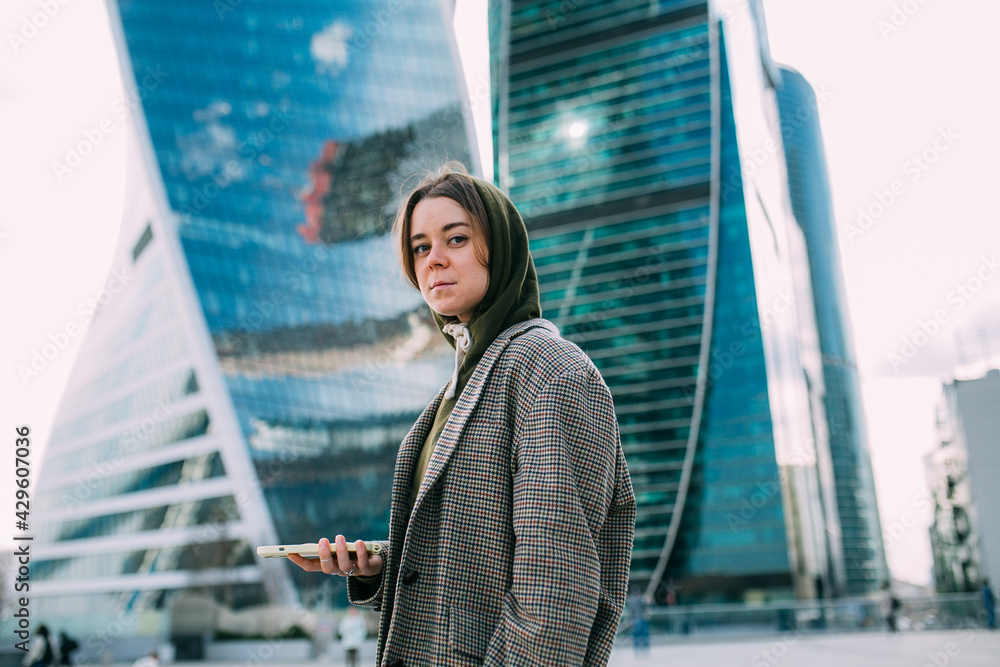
x=952 y=611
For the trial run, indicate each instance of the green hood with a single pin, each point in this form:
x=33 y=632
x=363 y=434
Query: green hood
x=512 y=295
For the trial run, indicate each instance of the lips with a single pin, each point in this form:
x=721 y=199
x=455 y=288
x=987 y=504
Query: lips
x=441 y=283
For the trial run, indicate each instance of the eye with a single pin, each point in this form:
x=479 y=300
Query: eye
x=421 y=249
x=458 y=239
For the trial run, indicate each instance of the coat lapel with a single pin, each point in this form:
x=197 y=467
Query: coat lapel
x=467 y=402
x=409 y=452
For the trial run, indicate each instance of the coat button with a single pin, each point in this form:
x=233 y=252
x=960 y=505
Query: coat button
x=397 y=662
x=410 y=577
x=377 y=607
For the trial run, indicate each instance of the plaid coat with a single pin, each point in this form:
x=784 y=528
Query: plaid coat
x=518 y=546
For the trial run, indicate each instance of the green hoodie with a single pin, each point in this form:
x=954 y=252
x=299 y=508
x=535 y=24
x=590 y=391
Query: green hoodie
x=511 y=297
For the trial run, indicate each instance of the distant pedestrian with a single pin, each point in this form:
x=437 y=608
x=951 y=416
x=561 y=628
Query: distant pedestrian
x=640 y=624
x=67 y=646
x=989 y=604
x=151 y=660
x=40 y=652
x=890 y=607
x=353 y=631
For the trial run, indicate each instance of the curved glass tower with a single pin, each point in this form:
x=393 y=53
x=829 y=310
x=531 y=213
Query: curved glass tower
x=809 y=186
x=253 y=379
x=641 y=142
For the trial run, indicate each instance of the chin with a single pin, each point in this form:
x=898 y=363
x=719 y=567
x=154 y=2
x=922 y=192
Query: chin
x=444 y=312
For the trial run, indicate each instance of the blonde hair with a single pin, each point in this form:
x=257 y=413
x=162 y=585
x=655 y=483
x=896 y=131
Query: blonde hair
x=453 y=182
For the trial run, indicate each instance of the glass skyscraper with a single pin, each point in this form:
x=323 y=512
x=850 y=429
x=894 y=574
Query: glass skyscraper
x=809 y=186
x=253 y=378
x=641 y=141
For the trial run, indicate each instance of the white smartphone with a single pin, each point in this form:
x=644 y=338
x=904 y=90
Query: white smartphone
x=309 y=550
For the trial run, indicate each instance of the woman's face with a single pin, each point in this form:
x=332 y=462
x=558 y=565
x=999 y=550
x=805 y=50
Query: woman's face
x=451 y=277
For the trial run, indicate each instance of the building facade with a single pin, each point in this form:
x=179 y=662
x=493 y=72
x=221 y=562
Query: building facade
x=250 y=381
x=961 y=473
x=642 y=144
x=809 y=186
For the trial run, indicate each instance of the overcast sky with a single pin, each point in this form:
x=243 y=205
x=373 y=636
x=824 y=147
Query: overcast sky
x=912 y=105
x=910 y=133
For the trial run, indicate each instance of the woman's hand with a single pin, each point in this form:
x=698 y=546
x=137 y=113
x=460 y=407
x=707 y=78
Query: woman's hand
x=334 y=559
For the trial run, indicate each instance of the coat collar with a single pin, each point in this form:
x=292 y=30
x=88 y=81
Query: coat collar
x=467 y=401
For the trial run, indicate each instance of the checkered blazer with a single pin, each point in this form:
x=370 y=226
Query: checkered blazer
x=517 y=550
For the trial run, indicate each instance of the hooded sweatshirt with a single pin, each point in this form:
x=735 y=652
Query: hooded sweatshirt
x=511 y=297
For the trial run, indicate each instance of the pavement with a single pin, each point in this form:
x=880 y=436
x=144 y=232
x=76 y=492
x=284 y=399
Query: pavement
x=958 y=648
x=964 y=648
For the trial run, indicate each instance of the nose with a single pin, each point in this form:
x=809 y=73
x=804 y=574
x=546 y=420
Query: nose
x=436 y=256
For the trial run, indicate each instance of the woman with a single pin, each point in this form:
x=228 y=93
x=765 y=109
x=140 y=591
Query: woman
x=512 y=511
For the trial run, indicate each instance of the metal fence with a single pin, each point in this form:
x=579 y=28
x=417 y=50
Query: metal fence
x=841 y=615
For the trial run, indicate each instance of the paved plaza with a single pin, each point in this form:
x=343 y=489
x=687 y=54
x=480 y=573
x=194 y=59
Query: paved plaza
x=931 y=649
x=968 y=648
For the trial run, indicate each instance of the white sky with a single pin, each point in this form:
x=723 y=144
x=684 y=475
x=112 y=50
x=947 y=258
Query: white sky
x=891 y=95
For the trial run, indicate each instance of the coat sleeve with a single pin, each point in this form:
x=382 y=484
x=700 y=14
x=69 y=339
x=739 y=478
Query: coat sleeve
x=367 y=591
x=573 y=520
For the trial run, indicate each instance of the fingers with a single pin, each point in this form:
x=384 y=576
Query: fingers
x=307 y=564
x=368 y=566
x=336 y=559
x=326 y=561
x=362 y=555
x=343 y=557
